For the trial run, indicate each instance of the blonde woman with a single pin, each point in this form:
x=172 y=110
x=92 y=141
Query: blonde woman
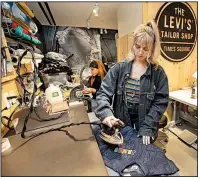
x=98 y=72
x=137 y=88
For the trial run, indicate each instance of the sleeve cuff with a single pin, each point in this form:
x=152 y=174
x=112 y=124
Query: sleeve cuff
x=105 y=113
x=147 y=132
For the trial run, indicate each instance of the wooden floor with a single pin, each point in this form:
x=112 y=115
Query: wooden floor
x=184 y=157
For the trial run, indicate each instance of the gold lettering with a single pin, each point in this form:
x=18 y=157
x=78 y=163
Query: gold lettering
x=165 y=20
x=169 y=49
x=178 y=22
x=182 y=24
x=162 y=33
x=183 y=49
x=171 y=22
x=189 y=24
x=172 y=35
x=186 y=36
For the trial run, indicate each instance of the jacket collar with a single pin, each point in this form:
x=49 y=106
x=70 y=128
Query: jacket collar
x=129 y=66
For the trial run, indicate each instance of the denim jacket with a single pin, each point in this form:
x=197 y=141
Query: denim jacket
x=153 y=101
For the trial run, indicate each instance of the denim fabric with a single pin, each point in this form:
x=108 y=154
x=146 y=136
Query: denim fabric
x=151 y=160
x=153 y=101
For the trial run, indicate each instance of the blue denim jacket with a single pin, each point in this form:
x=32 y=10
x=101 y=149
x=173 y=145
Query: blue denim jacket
x=154 y=96
x=151 y=159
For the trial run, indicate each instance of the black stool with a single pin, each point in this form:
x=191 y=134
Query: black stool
x=162 y=138
x=162 y=124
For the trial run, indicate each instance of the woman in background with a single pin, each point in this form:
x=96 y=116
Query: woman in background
x=98 y=72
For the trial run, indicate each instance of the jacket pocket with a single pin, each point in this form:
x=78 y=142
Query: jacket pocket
x=119 y=96
x=150 y=97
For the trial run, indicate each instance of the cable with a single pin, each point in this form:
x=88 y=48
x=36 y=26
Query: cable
x=99 y=123
x=9 y=119
x=32 y=97
x=59 y=129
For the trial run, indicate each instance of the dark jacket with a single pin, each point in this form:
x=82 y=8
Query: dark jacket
x=96 y=84
x=154 y=96
x=151 y=159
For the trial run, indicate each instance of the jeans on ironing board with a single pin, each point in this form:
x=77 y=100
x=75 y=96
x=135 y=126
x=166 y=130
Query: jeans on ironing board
x=133 y=113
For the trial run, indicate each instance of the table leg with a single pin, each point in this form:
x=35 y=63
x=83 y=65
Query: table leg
x=176 y=113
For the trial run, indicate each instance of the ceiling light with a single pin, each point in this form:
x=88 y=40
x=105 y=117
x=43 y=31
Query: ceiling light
x=101 y=31
x=96 y=9
x=105 y=31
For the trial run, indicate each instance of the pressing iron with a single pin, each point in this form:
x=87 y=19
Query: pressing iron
x=111 y=135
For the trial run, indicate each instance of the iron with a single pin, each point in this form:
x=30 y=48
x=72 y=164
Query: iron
x=111 y=136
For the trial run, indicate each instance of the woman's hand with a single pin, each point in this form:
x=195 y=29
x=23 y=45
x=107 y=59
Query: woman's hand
x=88 y=90
x=112 y=121
x=146 y=139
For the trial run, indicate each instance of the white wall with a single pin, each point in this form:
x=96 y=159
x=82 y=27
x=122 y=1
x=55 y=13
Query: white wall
x=129 y=16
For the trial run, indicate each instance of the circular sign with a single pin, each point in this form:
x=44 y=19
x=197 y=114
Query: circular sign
x=178 y=30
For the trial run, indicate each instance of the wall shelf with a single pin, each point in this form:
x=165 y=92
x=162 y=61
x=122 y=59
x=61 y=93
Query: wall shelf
x=8 y=78
x=23 y=42
x=8 y=112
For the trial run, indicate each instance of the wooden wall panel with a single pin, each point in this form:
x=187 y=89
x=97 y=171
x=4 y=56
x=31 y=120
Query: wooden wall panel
x=122 y=47
x=179 y=73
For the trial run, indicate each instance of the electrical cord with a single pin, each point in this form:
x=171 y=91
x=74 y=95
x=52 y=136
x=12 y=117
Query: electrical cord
x=32 y=100
x=9 y=119
x=20 y=77
x=64 y=126
x=59 y=129
x=33 y=95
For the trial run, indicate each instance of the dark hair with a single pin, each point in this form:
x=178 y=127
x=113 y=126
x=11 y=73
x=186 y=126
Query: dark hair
x=93 y=64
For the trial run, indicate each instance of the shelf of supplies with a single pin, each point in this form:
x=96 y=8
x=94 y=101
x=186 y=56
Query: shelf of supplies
x=24 y=42
x=8 y=78
x=7 y=113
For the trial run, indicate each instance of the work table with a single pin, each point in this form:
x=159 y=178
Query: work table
x=55 y=153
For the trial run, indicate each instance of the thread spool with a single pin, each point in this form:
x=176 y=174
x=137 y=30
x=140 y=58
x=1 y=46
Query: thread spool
x=12 y=51
x=14 y=60
x=6 y=31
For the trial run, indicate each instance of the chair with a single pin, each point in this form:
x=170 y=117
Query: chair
x=162 y=125
x=162 y=138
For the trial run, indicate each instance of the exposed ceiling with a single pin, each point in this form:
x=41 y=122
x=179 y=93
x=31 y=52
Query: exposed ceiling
x=76 y=14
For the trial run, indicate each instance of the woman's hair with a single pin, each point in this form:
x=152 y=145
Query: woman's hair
x=100 y=66
x=147 y=34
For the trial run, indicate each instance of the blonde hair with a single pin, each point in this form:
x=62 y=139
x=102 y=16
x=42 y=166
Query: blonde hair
x=147 y=34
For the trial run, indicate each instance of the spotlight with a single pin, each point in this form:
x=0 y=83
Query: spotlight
x=101 y=31
x=96 y=9
x=105 y=31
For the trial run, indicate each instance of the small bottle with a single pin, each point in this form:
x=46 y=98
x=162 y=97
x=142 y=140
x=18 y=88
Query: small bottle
x=193 y=95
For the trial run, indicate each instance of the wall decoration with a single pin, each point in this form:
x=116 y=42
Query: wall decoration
x=178 y=30
x=84 y=43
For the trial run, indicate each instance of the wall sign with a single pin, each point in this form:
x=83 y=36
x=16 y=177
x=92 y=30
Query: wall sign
x=178 y=30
